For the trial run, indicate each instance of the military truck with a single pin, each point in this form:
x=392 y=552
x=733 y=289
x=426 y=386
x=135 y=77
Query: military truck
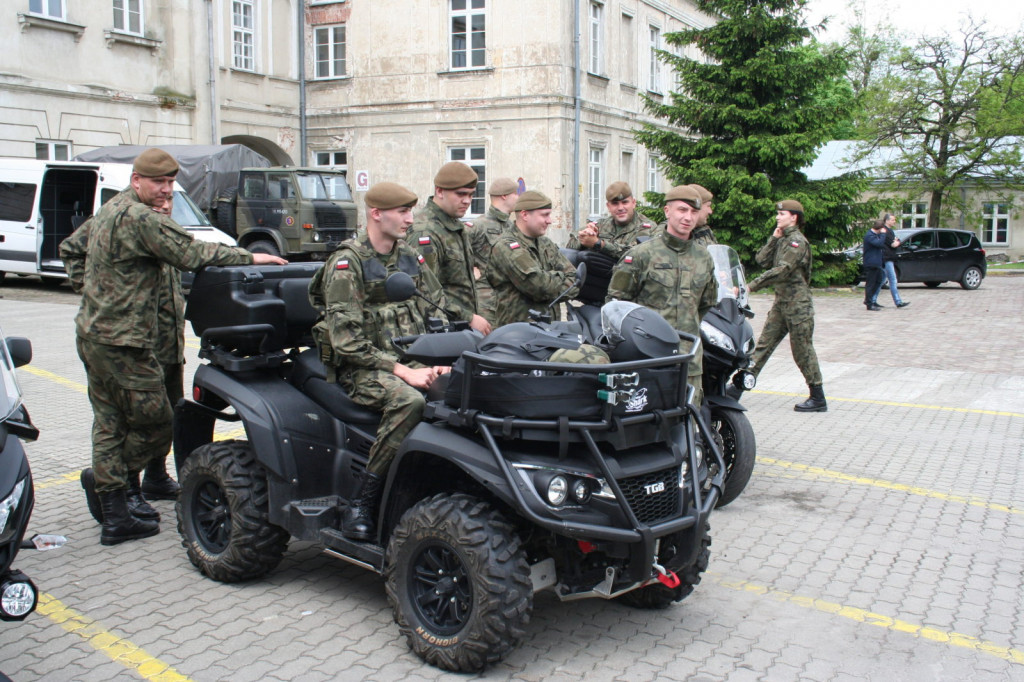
x=298 y=213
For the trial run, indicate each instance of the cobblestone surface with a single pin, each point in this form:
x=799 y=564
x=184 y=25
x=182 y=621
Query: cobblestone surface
x=882 y=540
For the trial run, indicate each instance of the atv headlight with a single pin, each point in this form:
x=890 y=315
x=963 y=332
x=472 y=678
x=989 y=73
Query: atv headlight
x=716 y=338
x=558 y=490
x=10 y=503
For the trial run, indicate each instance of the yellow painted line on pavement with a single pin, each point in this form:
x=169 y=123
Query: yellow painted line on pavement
x=888 y=485
x=890 y=403
x=956 y=639
x=119 y=650
x=56 y=378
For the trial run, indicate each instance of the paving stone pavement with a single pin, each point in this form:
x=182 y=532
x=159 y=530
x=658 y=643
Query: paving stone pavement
x=882 y=540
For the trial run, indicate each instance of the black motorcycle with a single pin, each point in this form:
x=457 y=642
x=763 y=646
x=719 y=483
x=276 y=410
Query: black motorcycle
x=18 y=594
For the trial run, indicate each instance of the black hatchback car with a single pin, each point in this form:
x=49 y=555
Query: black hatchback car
x=937 y=255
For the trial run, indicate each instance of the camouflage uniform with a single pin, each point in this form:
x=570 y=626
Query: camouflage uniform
x=617 y=238
x=527 y=273
x=444 y=243
x=354 y=334
x=673 y=277
x=703 y=236
x=119 y=266
x=789 y=260
x=486 y=230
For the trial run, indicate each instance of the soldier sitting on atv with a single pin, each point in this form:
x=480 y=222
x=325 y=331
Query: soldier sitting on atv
x=354 y=334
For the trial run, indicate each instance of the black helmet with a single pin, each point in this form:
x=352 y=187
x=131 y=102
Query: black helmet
x=526 y=341
x=635 y=332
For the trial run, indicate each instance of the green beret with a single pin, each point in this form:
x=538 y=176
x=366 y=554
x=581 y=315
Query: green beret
x=618 y=191
x=455 y=175
x=705 y=195
x=791 y=205
x=530 y=200
x=503 y=186
x=155 y=163
x=385 y=195
x=683 y=193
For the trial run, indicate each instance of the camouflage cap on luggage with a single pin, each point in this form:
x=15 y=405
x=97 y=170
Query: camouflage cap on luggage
x=586 y=354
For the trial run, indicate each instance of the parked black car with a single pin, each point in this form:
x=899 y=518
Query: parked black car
x=934 y=256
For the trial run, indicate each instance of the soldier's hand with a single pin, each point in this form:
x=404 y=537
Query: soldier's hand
x=777 y=233
x=480 y=324
x=588 y=235
x=267 y=259
x=421 y=377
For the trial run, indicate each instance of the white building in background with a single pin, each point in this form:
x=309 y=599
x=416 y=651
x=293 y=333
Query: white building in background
x=543 y=90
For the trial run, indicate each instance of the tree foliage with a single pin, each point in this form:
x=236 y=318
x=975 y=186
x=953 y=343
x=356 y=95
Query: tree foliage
x=948 y=110
x=747 y=116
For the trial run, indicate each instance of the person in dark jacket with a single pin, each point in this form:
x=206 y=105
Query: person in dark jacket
x=874 y=242
x=889 y=261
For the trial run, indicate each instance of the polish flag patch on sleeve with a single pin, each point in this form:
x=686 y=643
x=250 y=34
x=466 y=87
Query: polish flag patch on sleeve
x=514 y=245
x=421 y=259
x=341 y=265
x=424 y=241
x=627 y=260
x=794 y=244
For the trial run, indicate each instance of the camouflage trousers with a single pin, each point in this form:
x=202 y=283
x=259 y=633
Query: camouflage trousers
x=400 y=404
x=131 y=413
x=801 y=342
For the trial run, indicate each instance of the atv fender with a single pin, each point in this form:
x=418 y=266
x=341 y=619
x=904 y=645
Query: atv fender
x=724 y=401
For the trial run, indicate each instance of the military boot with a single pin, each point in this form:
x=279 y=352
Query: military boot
x=137 y=504
x=157 y=484
x=119 y=525
x=815 y=403
x=92 y=500
x=358 y=521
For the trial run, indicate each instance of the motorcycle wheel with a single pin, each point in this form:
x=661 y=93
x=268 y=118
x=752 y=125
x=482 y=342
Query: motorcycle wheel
x=458 y=583
x=739 y=450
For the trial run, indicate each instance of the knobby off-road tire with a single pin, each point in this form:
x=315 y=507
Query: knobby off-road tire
x=739 y=450
x=659 y=596
x=222 y=513
x=264 y=246
x=458 y=583
x=225 y=210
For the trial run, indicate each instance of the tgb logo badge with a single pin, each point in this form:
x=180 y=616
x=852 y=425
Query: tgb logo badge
x=638 y=401
x=655 y=488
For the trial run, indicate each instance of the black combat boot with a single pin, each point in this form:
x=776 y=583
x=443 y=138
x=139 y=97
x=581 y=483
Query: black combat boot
x=119 y=525
x=358 y=521
x=815 y=403
x=157 y=484
x=137 y=504
x=92 y=500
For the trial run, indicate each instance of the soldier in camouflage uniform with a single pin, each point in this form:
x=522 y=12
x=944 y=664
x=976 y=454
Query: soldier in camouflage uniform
x=354 y=335
x=672 y=275
x=702 y=234
x=526 y=269
x=444 y=242
x=617 y=232
x=787 y=255
x=121 y=274
x=486 y=230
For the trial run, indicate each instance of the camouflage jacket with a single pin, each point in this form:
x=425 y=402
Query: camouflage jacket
x=444 y=243
x=617 y=238
x=526 y=273
x=672 y=276
x=703 y=235
x=485 y=232
x=121 y=264
x=359 y=321
x=788 y=260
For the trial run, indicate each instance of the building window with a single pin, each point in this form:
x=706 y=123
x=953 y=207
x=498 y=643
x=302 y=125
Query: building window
x=53 y=150
x=596 y=38
x=243 y=37
x=330 y=52
x=915 y=214
x=995 y=224
x=475 y=158
x=626 y=168
x=626 y=60
x=128 y=16
x=335 y=160
x=653 y=179
x=468 y=34
x=654 y=80
x=54 y=9
x=595 y=179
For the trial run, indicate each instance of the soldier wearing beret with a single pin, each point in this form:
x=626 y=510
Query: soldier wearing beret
x=617 y=232
x=702 y=234
x=787 y=255
x=443 y=240
x=486 y=230
x=118 y=261
x=353 y=336
x=671 y=275
x=526 y=268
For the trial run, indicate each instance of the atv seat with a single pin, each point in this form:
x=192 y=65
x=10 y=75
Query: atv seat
x=310 y=376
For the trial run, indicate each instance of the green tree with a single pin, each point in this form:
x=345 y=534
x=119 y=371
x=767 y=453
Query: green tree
x=747 y=116
x=944 y=112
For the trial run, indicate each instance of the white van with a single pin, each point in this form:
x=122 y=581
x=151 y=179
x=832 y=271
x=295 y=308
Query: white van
x=42 y=202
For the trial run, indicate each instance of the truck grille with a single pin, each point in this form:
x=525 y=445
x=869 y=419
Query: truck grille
x=653 y=507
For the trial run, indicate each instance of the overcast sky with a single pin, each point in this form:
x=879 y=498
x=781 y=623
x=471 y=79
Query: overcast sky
x=915 y=17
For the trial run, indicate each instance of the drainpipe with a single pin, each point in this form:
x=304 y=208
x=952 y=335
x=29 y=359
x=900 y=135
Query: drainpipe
x=302 y=81
x=214 y=138
x=576 y=117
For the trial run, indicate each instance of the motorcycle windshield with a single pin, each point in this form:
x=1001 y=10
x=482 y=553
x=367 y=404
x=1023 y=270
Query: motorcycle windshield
x=10 y=392
x=729 y=273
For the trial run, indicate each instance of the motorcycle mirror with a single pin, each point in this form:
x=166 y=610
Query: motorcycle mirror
x=20 y=350
x=399 y=287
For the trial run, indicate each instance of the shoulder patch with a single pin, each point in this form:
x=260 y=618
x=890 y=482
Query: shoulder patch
x=421 y=258
x=514 y=245
x=646 y=226
x=794 y=244
x=423 y=241
x=627 y=260
x=341 y=265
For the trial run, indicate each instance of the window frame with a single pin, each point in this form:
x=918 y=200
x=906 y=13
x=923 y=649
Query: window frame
x=336 y=164
x=595 y=178
x=653 y=178
x=468 y=51
x=654 y=76
x=596 y=23
x=465 y=153
x=995 y=219
x=126 y=14
x=914 y=214
x=44 y=10
x=332 y=46
x=239 y=59
x=51 y=148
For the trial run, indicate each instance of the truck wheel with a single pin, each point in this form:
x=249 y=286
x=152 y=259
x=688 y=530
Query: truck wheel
x=226 y=211
x=739 y=451
x=263 y=246
x=458 y=583
x=658 y=596
x=222 y=513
